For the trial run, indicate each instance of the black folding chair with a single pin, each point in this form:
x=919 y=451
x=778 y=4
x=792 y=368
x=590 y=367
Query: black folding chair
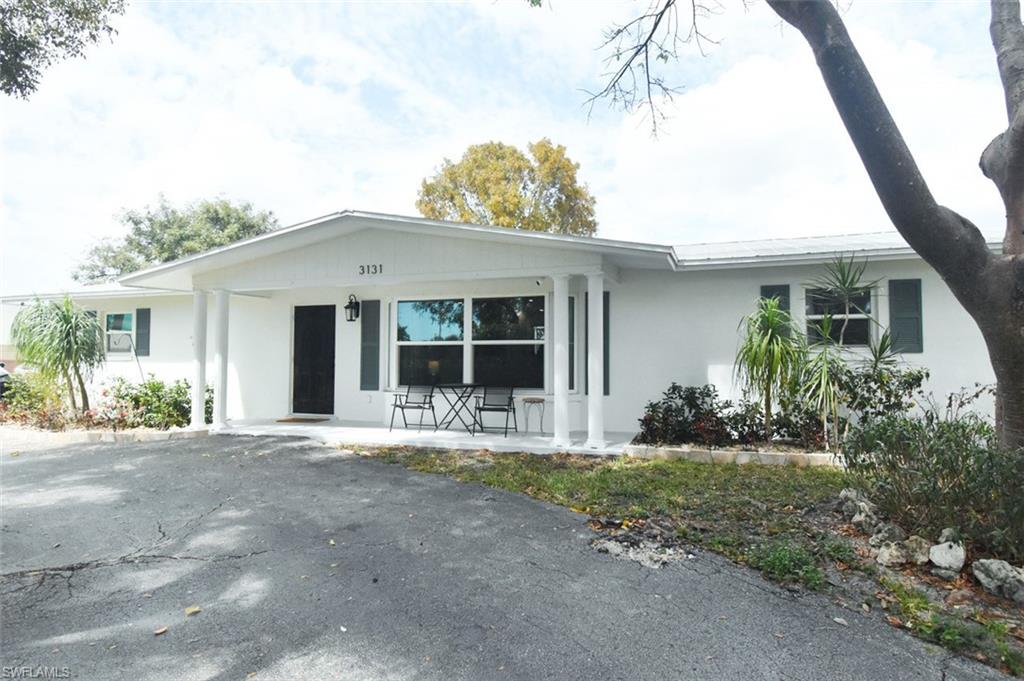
x=498 y=400
x=417 y=397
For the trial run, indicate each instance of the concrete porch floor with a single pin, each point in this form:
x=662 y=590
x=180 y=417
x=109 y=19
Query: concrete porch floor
x=336 y=432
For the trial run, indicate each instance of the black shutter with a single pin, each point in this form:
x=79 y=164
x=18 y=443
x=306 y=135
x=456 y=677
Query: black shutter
x=905 y=322
x=586 y=342
x=142 y=315
x=780 y=291
x=369 y=347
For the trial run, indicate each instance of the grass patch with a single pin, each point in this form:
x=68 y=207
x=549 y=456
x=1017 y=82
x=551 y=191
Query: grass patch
x=981 y=638
x=787 y=562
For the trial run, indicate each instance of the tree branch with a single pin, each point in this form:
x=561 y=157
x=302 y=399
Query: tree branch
x=1008 y=39
x=946 y=240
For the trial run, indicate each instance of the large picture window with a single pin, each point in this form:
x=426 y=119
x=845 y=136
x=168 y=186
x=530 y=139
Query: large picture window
x=851 y=320
x=508 y=341
x=119 y=332
x=430 y=341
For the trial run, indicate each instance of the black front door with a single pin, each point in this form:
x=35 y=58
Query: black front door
x=313 y=367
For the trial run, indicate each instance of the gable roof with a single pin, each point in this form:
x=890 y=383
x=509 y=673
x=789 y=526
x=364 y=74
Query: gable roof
x=178 y=273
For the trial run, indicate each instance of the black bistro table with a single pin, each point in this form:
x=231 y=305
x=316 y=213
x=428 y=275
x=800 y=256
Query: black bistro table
x=457 y=395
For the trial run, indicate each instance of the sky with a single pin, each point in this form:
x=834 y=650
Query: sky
x=309 y=108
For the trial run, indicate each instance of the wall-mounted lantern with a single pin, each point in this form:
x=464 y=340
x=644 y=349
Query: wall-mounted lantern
x=352 y=309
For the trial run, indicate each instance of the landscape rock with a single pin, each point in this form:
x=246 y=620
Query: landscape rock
x=917 y=549
x=948 y=575
x=947 y=556
x=892 y=554
x=848 y=499
x=949 y=534
x=1000 y=578
x=865 y=519
x=886 y=532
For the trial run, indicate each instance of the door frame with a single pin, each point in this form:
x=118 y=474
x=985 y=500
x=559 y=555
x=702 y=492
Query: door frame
x=291 y=360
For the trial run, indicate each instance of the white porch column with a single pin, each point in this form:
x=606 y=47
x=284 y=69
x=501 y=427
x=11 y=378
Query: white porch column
x=198 y=359
x=220 y=357
x=595 y=360
x=560 y=337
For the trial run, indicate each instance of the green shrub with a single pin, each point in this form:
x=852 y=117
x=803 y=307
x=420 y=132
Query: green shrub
x=150 y=404
x=934 y=471
x=35 y=400
x=685 y=415
x=787 y=562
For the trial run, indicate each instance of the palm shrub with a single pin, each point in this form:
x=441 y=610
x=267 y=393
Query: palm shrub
x=63 y=341
x=770 y=355
x=821 y=381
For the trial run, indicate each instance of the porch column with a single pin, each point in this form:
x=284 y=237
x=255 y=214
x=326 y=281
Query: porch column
x=198 y=359
x=595 y=360
x=560 y=319
x=220 y=357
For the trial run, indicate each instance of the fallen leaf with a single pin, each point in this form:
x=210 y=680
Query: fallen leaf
x=331 y=542
x=894 y=620
x=192 y=610
x=840 y=620
x=160 y=631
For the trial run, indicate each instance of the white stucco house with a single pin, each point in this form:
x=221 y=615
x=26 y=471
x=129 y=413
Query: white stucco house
x=596 y=327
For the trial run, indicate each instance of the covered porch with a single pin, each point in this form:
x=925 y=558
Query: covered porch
x=339 y=317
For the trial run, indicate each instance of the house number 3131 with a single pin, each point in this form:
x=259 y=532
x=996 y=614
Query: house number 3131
x=371 y=269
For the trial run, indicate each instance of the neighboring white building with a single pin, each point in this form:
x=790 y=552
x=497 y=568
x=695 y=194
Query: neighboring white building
x=270 y=320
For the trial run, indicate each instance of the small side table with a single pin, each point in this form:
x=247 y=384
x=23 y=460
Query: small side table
x=528 y=403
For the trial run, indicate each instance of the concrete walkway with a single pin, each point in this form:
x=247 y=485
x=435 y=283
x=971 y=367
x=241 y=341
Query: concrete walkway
x=334 y=432
x=308 y=563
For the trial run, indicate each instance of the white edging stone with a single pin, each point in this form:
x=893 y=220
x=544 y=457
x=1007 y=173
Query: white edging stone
x=727 y=456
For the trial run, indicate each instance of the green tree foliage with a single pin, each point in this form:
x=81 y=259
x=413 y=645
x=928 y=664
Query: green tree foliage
x=497 y=184
x=61 y=340
x=164 y=233
x=770 y=354
x=34 y=34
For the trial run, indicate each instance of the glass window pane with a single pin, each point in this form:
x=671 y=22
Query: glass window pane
x=119 y=342
x=429 y=364
x=518 y=366
x=823 y=301
x=119 y=322
x=430 y=320
x=520 y=318
x=857 y=332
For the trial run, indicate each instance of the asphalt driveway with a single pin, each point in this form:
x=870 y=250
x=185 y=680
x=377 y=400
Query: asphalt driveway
x=308 y=563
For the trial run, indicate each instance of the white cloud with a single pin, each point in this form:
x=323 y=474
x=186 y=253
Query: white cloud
x=305 y=109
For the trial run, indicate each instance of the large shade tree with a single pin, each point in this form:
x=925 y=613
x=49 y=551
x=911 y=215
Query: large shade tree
x=990 y=285
x=497 y=184
x=35 y=34
x=164 y=233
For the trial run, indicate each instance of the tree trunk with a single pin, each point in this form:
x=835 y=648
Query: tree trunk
x=71 y=391
x=81 y=388
x=768 y=412
x=989 y=286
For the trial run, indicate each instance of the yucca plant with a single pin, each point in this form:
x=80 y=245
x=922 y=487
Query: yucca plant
x=61 y=340
x=843 y=286
x=770 y=355
x=821 y=382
